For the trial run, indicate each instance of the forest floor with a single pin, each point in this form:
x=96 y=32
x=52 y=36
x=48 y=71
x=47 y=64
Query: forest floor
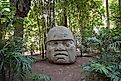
x=70 y=72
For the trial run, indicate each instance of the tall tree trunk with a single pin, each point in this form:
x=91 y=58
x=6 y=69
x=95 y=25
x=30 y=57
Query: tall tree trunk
x=119 y=13
x=49 y=14
x=2 y=71
x=19 y=31
x=3 y=74
x=22 y=9
x=65 y=18
x=119 y=1
x=53 y=12
x=107 y=15
x=1 y=35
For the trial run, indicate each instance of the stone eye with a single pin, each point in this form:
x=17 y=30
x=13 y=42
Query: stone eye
x=71 y=42
x=48 y=43
x=55 y=42
x=66 y=43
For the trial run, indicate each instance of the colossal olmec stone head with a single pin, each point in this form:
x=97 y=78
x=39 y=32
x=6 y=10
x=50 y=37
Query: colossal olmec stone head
x=61 y=45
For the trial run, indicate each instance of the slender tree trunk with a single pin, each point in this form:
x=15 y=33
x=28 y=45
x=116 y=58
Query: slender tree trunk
x=120 y=6
x=1 y=32
x=19 y=31
x=3 y=74
x=38 y=24
x=43 y=29
x=81 y=24
x=1 y=36
x=119 y=13
x=2 y=71
x=39 y=29
x=82 y=37
x=49 y=14
x=53 y=12
x=43 y=36
x=107 y=14
x=65 y=15
x=65 y=18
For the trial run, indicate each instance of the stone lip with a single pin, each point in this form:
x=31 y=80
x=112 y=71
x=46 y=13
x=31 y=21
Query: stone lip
x=61 y=53
x=60 y=57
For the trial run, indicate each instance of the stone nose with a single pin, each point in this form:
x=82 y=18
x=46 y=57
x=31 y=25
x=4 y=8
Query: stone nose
x=60 y=47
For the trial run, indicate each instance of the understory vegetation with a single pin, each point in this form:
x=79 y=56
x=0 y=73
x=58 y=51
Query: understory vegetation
x=107 y=65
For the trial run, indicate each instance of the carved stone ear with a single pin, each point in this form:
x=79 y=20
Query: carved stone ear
x=78 y=53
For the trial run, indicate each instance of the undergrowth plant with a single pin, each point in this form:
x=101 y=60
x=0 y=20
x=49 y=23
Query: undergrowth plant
x=40 y=77
x=107 y=65
x=14 y=65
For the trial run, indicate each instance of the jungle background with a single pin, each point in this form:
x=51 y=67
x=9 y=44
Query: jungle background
x=24 y=24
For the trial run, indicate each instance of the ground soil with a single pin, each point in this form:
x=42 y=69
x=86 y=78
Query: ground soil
x=61 y=72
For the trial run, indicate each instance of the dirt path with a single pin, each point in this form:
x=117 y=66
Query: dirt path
x=61 y=72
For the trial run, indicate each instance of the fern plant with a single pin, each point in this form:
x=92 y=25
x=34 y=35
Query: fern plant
x=106 y=40
x=107 y=65
x=40 y=77
x=111 y=70
x=13 y=61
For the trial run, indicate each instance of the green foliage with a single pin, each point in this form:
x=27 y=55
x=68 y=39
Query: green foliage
x=98 y=68
x=107 y=65
x=115 y=15
x=13 y=60
x=7 y=12
x=40 y=77
x=105 y=40
x=110 y=70
x=31 y=33
x=35 y=26
x=83 y=15
x=8 y=20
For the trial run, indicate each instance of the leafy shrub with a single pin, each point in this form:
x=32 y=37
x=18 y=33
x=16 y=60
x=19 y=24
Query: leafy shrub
x=14 y=62
x=110 y=70
x=40 y=77
x=106 y=66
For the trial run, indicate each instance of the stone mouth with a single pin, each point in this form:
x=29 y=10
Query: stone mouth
x=60 y=54
x=61 y=60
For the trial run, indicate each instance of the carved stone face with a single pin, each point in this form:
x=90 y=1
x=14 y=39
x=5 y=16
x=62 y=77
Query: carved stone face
x=61 y=46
